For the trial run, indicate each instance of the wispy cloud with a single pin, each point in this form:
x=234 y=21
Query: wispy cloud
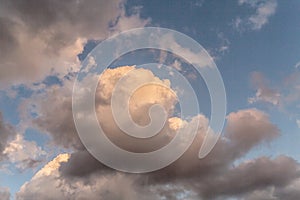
x=297 y=65
x=264 y=9
x=263 y=92
x=284 y=96
x=298 y=122
x=24 y=154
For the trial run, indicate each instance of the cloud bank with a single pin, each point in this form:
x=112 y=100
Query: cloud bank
x=220 y=175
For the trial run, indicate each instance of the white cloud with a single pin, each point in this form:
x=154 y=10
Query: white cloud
x=200 y=58
x=198 y=3
x=177 y=65
x=297 y=65
x=298 y=122
x=263 y=13
x=265 y=95
x=24 y=154
x=224 y=43
x=264 y=9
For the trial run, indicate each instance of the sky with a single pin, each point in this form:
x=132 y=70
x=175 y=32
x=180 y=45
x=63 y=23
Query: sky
x=255 y=45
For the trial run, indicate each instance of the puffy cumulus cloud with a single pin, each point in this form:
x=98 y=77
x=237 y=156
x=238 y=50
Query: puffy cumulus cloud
x=246 y=129
x=263 y=92
x=39 y=37
x=57 y=119
x=249 y=127
x=264 y=9
x=141 y=99
x=7 y=133
x=24 y=154
x=4 y=193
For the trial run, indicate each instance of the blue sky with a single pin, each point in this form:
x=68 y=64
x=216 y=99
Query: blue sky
x=255 y=45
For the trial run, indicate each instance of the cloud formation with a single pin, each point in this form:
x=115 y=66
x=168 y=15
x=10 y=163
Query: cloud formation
x=264 y=9
x=96 y=186
x=24 y=154
x=38 y=38
x=217 y=176
x=7 y=133
x=214 y=177
x=285 y=96
x=4 y=193
x=263 y=92
x=14 y=149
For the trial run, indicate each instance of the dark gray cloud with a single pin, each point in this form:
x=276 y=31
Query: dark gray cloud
x=82 y=163
x=250 y=176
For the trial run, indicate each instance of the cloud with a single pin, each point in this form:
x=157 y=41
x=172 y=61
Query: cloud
x=16 y=150
x=298 y=122
x=24 y=154
x=264 y=9
x=7 y=133
x=97 y=186
x=224 y=43
x=211 y=178
x=52 y=110
x=217 y=176
x=284 y=96
x=291 y=86
x=201 y=59
x=263 y=92
x=57 y=119
x=297 y=65
x=207 y=178
x=39 y=38
x=249 y=127
x=4 y=193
